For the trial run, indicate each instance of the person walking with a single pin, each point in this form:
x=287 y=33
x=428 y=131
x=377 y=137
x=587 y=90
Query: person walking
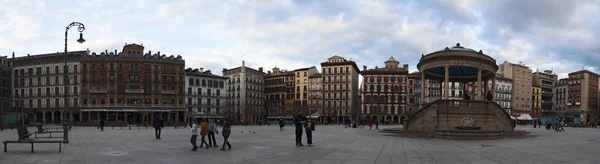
x=370 y=123
x=194 y=129
x=281 y=124
x=158 y=125
x=101 y=125
x=212 y=129
x=226 y=132
x=298 y=120
x=310 y=127
x=203 y=133
x=376 y=124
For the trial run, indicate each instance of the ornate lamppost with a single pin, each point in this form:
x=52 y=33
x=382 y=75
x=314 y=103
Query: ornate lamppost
x=66 y=79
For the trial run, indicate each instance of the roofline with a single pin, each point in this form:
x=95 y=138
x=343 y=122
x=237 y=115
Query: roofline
x=584 y=71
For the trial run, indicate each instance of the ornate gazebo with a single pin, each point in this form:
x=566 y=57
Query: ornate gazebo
x=468 y=118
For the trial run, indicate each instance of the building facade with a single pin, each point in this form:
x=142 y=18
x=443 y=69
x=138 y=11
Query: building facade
x=582 y=97
x=132 y=87
x=433 y=90
x=314 y=96
x=546 y=80
x=503 y=92
x=340 y=89
x=6 y=90
x=522 y=79
x=414 y=99
x=561 y=92
x=206 y=94
x=290 y=94
x=275 y=91
x=385 y=92
x=39 y=86
x=246 y=92
x=301 y=90
x=536 y=100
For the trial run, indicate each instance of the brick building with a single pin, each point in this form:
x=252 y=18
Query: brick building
x=132 y=86
x=340 y=89
x=385 y=92
x=583 y=97
x=275 y=91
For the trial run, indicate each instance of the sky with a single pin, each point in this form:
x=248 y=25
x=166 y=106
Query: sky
x=557 y=35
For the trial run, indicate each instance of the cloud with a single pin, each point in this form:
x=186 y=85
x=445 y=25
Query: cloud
x=553 y=34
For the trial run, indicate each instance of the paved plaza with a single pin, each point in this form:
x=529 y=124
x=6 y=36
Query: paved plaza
x=333 y=144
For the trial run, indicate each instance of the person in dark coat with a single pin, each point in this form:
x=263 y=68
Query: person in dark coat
x=281 y=124
x=298 y=121
x=101 y=125
x=158 y=125
x=226 y=132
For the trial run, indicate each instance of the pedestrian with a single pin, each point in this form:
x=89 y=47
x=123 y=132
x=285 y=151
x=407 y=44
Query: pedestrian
x=281 y=124
x=101 y=125
x=203 y=133
x=309 y=126
x=370 y=123
x=158 y=125
x=226 y=132
x=376 y=124
x=539 y=123
x=212 y=129
x=298 y=120
x=194 y=129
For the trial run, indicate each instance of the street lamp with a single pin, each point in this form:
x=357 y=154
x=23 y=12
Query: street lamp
x=80 y=28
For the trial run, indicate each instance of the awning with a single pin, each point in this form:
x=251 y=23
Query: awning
x=314 y=115
x=524 y=117
x=513 y=117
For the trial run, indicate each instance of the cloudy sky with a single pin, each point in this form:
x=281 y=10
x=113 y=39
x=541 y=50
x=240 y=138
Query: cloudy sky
x=543 y=34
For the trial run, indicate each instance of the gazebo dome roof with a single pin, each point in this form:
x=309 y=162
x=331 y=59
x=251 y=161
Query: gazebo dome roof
x=462 y=64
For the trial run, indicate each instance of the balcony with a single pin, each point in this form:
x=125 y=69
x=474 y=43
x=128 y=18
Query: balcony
x=134 y=91
x=101 y=90
x=168 y=92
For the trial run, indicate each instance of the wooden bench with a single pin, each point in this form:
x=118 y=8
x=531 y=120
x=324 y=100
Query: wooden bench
x=24 y=138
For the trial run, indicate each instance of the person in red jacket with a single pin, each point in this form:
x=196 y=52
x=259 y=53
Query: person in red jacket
x=370 y=122
x=310 y=127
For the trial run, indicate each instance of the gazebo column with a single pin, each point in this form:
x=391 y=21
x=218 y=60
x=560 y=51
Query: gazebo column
x=446 y=82
x=423 y=83
x=494 y=89
x=479 y=85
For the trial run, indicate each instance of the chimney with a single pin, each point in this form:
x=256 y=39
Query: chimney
x=243 y=63
x=260 y=69
x=116 y=53
x=268 y=72
x=405 y=66
x=13 y=55
x=201 y=69
x=364 y=67
x=158 y=53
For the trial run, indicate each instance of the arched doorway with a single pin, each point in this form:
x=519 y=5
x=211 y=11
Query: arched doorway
x=388 y=119
x=57 y=117
x=402 y=119
x=395 y=120
x=39 y=117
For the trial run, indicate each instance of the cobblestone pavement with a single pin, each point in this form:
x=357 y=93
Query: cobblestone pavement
x=333 y=144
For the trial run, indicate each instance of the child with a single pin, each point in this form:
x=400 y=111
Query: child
x=310 y=127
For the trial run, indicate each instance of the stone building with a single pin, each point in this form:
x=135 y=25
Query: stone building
x=503 y=92
x=433 y=90
x=521 y=95
x=340 y=89
x=275 y=91
x=246 y=92
x=39 y=86
x=546 y=80
x=385 y=92
x=560 y=101
x=583 y=97
x=6 y=89
x=301 y=89
x=536 y=100
x=206 y=96
x=314 y=96
x=132 y=87
x=290 y=95
x=414 y=82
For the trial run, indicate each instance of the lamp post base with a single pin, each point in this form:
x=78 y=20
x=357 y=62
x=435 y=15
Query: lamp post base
x=65 y=132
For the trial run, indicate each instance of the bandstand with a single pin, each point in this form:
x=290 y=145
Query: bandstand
x=473 y=118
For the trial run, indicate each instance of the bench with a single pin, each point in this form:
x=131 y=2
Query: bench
x=35 y=141
x=24 y=138
x=41 y=129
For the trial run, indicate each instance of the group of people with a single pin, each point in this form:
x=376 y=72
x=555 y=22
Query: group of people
x=369 y=122
x=209 y=129
x=309 y=126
